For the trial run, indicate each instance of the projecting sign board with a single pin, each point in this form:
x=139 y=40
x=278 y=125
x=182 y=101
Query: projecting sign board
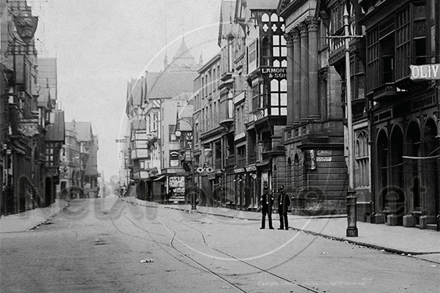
x=425 y=72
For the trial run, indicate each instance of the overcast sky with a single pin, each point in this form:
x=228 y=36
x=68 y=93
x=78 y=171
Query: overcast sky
x=101 y=44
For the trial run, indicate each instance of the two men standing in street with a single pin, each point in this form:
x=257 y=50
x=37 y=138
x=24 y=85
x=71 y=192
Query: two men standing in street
x=267 y=201
x=283 y=205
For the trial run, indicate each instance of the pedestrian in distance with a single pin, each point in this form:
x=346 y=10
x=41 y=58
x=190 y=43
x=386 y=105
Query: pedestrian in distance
x=283 y=205
x=266 y=208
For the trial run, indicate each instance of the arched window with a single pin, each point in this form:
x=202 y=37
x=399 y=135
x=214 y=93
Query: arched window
x=362 y=158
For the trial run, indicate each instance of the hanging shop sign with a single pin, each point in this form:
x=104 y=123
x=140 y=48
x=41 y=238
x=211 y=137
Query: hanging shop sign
x=310 y=159
x=239 y=170
x=425 y=72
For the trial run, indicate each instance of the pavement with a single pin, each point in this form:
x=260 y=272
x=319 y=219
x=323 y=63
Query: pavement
x=413 y=242
x=31 y=219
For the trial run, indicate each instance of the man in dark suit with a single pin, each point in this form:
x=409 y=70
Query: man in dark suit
x=283 y=205
x=266 y=208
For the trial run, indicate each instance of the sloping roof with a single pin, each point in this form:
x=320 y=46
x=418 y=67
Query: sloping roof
x=183 y=52
x=262 y=4
x=69 y=126
x=56 y=129
x=160 y=85
x=138 y=124
x=226 y=23
x=90 y=169
x=169 y=84
x=47 y=75
x=44 y=96
x=84 y=131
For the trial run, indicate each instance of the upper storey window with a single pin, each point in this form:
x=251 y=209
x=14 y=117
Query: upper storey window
x=273 y=43
x=395 y=44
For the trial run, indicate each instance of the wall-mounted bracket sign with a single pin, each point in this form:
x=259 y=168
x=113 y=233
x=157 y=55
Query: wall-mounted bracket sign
x=274 y=72
x=425 y=72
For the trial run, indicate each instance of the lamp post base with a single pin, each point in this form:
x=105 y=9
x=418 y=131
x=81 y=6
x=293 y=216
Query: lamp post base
x=352 y=232
x=193 y=202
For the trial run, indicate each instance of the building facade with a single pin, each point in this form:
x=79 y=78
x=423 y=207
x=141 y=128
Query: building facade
x=265 y=94
x=176 y=147
x=209 y=112
x=226 y=90
x=402 y=39
x=26 y=110
x=314 y=134
x=331 y=15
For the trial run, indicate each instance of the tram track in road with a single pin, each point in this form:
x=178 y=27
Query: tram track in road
x=192 y=260
x=259 y=269
x=172 y=245
x=212 y=272
x=199 y=265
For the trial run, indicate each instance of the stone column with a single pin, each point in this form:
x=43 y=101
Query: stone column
x=313 y=26
x=289 y=77
x=304 y=68
x=296 y=62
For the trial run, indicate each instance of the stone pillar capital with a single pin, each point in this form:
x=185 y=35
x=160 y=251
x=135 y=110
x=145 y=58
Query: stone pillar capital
x=313 y=25
x=289 y=38
x=295 y=33
x=302 y=27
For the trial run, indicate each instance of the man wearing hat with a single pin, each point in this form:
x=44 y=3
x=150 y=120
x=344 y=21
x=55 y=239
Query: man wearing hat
x=266 y=207
x=283 y=205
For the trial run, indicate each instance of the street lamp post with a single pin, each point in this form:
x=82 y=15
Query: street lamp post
x=352 y=230
x=178 y=134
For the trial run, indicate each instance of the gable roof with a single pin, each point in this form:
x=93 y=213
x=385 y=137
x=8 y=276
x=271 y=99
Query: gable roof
x=183 y=52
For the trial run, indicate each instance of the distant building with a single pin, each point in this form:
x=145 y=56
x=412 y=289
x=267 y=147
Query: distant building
x=145 y=111
x=79 y=176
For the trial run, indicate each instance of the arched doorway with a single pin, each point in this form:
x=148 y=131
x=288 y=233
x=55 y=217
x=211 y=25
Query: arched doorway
x=430 y=169
x=382 y=166
x=413 y=149
x=395 y=196
x=49 y=196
